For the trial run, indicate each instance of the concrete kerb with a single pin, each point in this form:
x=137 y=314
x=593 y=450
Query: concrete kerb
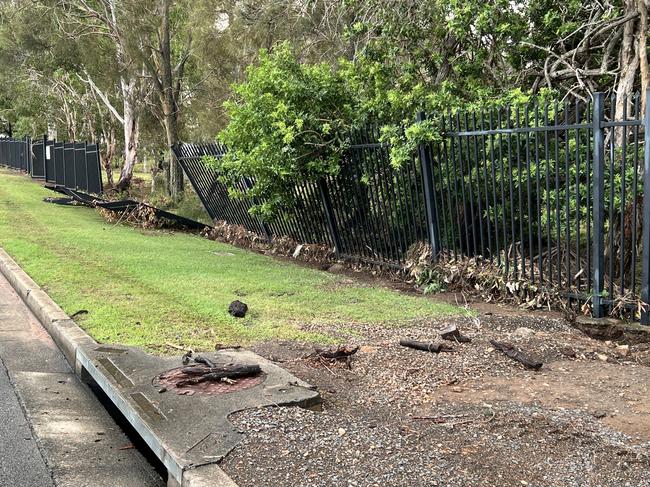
x=70 y=339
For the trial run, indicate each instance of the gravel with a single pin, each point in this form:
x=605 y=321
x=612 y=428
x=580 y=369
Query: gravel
x=394 y=418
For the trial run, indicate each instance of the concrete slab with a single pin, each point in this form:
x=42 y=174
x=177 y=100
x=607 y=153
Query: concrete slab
x=186 y=432
x=84 y=447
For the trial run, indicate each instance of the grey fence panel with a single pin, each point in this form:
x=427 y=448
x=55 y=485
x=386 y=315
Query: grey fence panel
x=69 y=178
x=75 y=165
x=15 y=154
x=38 y=158
x=81 y=177
x=59 y=165
x=93 y=169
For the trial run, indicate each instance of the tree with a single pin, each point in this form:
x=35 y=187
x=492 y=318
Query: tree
x=106 y=19
x=166 y=68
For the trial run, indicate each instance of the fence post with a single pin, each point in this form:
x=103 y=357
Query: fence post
x=645 y=267
x=429 y=193
x=86 y=162
x=598 y=203
x=329 y=215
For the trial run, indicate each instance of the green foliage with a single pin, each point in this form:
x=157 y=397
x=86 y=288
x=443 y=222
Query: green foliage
x=290 y=121
x=287 y=124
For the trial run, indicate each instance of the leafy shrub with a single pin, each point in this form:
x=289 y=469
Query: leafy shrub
x=288 y=122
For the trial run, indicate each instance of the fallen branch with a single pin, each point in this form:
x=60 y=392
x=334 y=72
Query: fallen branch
x=342 y=353
x=337 y=353
x=426 y=347
x=178 y=347
x=516 y=354
x=220 y=373
x=199 y=359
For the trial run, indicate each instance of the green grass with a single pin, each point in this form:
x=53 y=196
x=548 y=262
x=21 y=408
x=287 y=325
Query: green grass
x=148 y=288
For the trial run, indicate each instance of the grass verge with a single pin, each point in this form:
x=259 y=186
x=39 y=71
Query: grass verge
x=149 y=288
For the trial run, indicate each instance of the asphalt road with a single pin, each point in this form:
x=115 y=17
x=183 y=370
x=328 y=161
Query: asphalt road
x=22 y=462
x=53 y=430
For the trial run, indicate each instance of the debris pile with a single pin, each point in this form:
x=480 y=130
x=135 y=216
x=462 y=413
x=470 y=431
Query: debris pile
x=204 y=370
x=133 y=212
x=332 y=355
x=240 y=236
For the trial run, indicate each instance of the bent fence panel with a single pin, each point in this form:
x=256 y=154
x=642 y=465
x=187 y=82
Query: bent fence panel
x=213 y=193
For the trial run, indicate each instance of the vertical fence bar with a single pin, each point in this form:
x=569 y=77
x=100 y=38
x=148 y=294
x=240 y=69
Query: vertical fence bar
x=44 y=153
x=599 y=204
x=645 y=272
x=429 y=193
x=329 y=214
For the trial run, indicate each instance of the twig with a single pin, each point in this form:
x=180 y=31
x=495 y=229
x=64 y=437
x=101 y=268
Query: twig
x=178 y=347
x=198 y=442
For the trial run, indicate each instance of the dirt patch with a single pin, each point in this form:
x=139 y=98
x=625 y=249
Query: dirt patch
x=595 y=388
x=471 y=417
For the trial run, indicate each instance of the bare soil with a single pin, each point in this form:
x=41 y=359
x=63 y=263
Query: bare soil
x=474 y=417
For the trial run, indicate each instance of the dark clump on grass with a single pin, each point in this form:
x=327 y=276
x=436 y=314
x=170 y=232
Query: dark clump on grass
x=237 y=309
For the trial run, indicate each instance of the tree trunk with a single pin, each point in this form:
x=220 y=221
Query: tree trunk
x=629 y=65
x=169 y=103
x=131 y=134
x=642 y=6
x=109 y=154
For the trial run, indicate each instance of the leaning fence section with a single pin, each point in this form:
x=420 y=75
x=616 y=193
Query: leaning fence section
x=74 y=165
x=302 y=219
x=551 y=192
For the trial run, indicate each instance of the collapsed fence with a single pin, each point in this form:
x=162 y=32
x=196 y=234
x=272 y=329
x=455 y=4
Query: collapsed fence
x=73 y=165
x=551 y=192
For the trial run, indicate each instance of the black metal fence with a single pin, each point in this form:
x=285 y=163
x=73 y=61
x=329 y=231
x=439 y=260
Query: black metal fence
x=74 y=165
x=550 y=192
x=303 y=221
x=15 y=153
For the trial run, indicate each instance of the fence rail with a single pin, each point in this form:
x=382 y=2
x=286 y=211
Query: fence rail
x=75 y=165
x=550 y=192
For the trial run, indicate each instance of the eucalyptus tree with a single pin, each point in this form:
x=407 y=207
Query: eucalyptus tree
x=162 y=41
x=107 y=21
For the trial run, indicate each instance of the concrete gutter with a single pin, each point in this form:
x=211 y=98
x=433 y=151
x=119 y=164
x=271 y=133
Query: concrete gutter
x=76 y=345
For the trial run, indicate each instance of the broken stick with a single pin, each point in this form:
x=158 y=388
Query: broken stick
x=337 y=353
x=200 y=359
x=426 y=347
x=452 y=333
x=516 y=354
